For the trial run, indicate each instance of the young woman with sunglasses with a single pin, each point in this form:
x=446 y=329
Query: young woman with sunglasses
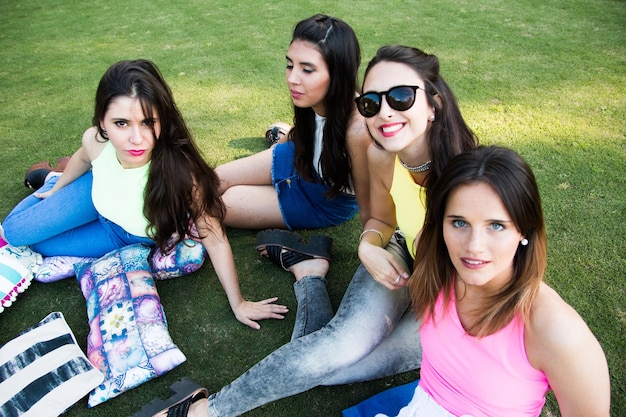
x=137 y=178
x=495 y=337
x=373 y=334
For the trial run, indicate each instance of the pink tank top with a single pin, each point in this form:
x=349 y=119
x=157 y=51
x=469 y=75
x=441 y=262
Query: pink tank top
x=481 y=377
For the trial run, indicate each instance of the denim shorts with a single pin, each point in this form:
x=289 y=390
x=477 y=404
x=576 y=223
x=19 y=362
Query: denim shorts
x=304 y=204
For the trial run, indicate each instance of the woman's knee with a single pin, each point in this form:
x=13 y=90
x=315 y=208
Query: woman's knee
x=11 y=234
x=222 y=174
x=352 y=339
x=17 y=228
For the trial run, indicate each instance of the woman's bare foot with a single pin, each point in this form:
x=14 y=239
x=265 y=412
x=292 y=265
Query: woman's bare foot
x=198 y=408
x=316 y=266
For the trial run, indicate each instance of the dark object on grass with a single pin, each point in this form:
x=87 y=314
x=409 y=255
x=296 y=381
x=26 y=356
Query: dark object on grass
x=286 y=248
x=37 y=173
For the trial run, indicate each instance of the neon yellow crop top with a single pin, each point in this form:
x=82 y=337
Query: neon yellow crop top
x=410 y=201
x=118 y=193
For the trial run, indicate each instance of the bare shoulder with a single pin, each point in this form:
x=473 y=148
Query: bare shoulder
x=380 y=164
x=553 y=323
x=93 y=143
x=556 y=330
x=560 y=344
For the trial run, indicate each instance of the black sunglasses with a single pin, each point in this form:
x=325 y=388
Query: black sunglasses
x=399 y=98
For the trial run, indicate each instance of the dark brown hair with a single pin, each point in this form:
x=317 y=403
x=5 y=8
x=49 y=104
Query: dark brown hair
x=513 y=180
x=181 y=185
x=337 y=43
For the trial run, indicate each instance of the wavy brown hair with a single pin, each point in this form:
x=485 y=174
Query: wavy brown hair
x=181 y=185
x=448 y=134
x=513 y=180
x=337 y=43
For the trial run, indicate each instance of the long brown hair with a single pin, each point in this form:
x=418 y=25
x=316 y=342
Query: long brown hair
x=513 y=180
x=448 y=134
x=181 y=185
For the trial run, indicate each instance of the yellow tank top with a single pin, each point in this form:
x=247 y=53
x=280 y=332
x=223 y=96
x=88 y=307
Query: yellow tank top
x=410 y=201
x=118 y=193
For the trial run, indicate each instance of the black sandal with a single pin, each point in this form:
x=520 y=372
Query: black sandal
x=37 y=173
x=186 y=392
x=275 y=132
x=286 y=249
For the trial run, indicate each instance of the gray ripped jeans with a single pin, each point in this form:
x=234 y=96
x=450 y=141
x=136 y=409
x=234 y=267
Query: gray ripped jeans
x=373 y=335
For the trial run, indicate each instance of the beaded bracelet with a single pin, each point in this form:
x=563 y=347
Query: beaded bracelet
x=378 y=232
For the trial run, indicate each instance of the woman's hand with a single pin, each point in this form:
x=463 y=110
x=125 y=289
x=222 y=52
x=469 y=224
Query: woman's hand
x=249 y=311
x=383 y=266
x=220 y=253
x=45 y=194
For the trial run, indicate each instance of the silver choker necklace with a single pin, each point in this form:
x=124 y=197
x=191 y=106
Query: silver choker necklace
x=420 y=168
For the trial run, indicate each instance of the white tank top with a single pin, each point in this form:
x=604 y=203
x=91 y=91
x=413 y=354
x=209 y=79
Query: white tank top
x=320 y=122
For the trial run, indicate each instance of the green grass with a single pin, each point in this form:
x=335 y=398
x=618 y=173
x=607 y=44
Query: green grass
x=547 y=78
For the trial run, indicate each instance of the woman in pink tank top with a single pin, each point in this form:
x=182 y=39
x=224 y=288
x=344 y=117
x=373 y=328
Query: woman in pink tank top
x=495 y=337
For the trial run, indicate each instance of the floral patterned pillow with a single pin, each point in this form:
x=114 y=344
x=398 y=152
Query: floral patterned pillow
x=128 y=340
x=185 y=258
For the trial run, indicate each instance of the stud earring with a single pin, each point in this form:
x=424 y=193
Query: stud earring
x=524 y=242
x=431 y=117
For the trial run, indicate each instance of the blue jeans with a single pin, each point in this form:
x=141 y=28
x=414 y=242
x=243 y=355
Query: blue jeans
x=314 y=307
x=66 y=223
x=304 y=204
x=373 y=335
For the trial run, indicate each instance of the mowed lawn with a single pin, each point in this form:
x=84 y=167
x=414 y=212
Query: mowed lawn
x=546 y=78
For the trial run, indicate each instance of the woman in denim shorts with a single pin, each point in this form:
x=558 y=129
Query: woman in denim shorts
x=317 y=173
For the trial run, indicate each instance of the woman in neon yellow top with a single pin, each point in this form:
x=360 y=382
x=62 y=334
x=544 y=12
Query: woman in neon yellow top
x=137 y=178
